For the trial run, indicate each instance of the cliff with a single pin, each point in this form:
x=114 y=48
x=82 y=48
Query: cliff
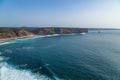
x=22 y=32
x=52 y=30
x=13 y=33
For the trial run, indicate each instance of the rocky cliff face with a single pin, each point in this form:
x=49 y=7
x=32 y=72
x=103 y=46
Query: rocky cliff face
x=12 y=33
x=48 y=31
x=21 y=32
x=7 y=35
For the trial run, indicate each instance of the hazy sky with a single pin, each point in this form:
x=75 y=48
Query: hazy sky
x=71 y=13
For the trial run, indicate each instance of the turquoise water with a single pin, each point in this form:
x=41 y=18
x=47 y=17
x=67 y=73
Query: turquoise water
x=91 y=56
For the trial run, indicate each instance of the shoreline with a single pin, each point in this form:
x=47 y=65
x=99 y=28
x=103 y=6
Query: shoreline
x=16 y=33
x=6 y=39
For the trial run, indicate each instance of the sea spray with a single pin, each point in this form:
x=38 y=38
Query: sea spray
x=10 y=73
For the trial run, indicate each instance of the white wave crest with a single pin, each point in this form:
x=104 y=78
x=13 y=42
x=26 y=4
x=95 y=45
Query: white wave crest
x=41 y=36
x=51 y=35
x=10 y=73
x=4 y=43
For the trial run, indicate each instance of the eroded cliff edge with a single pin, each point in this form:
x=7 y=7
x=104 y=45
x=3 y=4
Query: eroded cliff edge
x=6 y=33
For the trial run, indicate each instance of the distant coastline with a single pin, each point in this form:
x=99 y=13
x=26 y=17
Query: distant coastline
x=25 y=32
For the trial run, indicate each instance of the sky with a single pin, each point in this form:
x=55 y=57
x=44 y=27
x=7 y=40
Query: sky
x=60 y=13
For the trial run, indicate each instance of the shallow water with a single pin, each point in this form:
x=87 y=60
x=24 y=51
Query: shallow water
x=91 y=56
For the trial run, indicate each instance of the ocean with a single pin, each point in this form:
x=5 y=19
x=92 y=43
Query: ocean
x=92 y=56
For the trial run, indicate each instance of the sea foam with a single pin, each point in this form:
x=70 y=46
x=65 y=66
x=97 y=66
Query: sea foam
x=4 y=43
x=8 y=72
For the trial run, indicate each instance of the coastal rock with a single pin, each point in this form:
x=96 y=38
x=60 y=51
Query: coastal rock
x=22 y=33
x=46 y=31
x=52 y=30
x=13 y=33
x=28 y=31
x=7 y=35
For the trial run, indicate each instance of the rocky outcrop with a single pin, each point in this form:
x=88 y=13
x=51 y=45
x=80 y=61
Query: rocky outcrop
x=52 y=30
x=46 y=31
x=7 y=35
x=12 y=33
x=22 y=32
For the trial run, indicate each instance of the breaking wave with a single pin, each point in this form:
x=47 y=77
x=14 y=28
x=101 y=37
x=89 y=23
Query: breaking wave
x=6 y=42
x=9 y=73
x=44 y=36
